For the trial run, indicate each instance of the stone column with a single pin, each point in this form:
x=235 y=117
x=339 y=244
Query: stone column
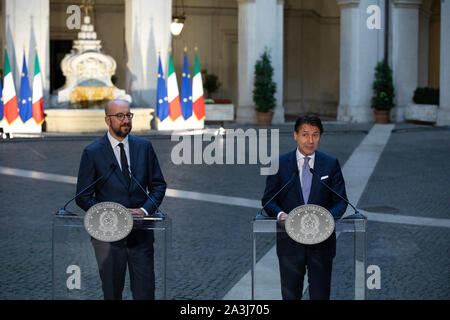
x=361 y=49
x=260 y=26
x=26 y=30
x=405 y=53
x=444 y=75
x=147 y=31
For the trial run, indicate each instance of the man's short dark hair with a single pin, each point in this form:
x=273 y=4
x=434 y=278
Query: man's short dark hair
x=310 y=119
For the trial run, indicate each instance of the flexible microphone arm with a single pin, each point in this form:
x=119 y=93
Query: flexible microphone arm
x=357 y=214
x=290 y=180
x=157 y=212
x=63 y=211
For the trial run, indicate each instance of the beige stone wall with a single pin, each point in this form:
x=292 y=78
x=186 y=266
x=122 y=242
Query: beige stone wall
x=79 y=121
x=434 y=43
x=110 y=27
x=212 y=27
x=311 y=58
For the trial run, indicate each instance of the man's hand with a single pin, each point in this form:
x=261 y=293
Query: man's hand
x=282 y=218
x=137 y=213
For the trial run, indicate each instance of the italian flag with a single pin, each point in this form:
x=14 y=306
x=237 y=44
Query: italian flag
x=197 y=92
x=172 y=93
x=11 y=110
x=38 y=104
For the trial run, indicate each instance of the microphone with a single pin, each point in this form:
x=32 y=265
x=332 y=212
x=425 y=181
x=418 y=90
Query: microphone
x=289 y=181
x=357 y=214
x=158 y=214
x=63 y=210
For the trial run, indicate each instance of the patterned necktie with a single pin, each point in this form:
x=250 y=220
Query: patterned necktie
x=124 y=163
x=306 y=180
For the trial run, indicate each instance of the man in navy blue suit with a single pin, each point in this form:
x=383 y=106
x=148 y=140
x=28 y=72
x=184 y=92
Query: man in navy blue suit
x=129 y=155
x=305 y=188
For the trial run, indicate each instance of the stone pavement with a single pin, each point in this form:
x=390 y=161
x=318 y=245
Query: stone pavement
x=210 y=249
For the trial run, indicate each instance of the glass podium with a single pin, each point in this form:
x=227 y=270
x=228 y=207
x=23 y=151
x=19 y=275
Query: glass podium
x=265 y=276
x=75 y=274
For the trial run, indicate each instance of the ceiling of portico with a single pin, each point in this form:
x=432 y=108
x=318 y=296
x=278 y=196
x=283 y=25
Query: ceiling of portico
x=57 y=5
x=323 y=8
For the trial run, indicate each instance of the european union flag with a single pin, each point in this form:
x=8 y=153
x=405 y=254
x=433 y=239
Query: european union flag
x=186 y=90
x=162 y=103
x=25 y=103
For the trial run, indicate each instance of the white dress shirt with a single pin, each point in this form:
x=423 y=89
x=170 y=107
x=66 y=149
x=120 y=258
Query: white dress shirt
x=116 y=149
x=300 y=162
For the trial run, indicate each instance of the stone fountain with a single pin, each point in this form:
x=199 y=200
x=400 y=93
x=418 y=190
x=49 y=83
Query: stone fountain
x=78 y=105
x=88 y=71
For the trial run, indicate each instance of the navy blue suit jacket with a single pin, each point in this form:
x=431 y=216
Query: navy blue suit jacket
x=97 y=159
x=291 y=196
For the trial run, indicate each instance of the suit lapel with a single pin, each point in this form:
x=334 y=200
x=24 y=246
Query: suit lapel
x=112 y=158
x=293 y=167
x=316 y=177
x=133 y=155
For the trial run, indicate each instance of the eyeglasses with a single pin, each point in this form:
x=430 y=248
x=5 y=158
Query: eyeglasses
x=121 y=116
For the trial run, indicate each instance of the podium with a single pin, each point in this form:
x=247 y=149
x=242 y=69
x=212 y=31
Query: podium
x=75 y=274
x=265 y=277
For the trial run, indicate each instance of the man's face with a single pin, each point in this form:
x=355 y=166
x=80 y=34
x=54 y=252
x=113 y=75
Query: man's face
x=121 y=128
x=307 y=138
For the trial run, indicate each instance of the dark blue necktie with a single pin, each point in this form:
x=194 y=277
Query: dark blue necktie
x=124 y=163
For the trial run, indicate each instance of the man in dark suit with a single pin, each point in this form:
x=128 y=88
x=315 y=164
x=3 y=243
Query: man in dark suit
x=124 y=153
x=305 y=188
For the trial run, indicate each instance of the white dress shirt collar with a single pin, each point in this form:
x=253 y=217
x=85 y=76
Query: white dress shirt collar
x=301 y=159
x=116 y=149
x=114 y=142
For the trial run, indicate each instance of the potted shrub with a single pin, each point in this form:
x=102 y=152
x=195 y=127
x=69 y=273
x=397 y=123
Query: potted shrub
x=210 y=83
x=383 y=92
x=425 y=106
x=264 y=90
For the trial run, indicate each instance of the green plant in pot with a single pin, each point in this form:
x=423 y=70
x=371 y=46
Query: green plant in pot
x=264 y=90
x=426 y=95
x=383 y=92
x=211 y=84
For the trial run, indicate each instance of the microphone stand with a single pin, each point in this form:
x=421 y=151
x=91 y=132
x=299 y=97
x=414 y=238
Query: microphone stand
x=355 y=215
x=260 y=215
x=64 y=212
x=158 y=215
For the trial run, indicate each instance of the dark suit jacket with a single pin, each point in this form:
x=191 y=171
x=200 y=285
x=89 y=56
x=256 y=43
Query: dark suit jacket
x=291 y=197
x=97 y=159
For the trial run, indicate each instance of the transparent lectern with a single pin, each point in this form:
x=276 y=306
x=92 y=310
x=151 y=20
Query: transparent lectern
x=265 y=282
x=75 y=274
